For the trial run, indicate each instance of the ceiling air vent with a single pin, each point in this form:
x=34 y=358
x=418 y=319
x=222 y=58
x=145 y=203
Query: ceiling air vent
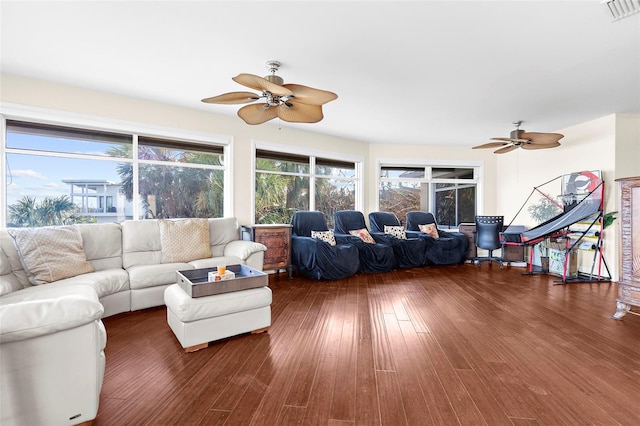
x=620 y=9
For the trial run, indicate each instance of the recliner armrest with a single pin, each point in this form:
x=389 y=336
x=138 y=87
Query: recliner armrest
x=381 y=237
x=348 y=239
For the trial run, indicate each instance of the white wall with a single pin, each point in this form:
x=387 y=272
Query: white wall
x=627 y=145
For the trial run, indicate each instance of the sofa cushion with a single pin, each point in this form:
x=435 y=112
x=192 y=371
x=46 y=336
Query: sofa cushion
x=184 y=240
x=51 y=253
x=28 y=314
x=145 y=276
x=104 y=282
x=140 y=243
x=223 y=230
x=102 y=243
x=214 y=262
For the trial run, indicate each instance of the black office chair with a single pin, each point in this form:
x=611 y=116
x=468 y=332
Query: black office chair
x=488 y=229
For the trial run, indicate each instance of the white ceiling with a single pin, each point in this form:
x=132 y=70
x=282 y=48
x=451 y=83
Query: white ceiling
x=419 y=72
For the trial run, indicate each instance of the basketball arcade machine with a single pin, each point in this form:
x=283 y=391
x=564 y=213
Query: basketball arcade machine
x=581 y=220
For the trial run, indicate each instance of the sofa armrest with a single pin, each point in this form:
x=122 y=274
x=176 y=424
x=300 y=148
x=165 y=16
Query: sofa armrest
x=36 y=313
x=243 y=249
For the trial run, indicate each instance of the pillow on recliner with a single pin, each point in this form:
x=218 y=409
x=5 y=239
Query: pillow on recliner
x=396 y=231
x=50 y=253
x=429 y=229
x=364 y=235
x=184 y=240
x=326 y=236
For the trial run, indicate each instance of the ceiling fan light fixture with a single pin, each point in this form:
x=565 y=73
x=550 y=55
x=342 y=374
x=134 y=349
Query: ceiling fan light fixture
x=306 y=108
x=523 y=139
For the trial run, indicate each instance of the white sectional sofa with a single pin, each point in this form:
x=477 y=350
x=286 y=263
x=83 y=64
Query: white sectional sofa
x=51 y=336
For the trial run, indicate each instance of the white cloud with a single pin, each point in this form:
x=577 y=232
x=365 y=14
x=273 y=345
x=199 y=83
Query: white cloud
x=27 y=173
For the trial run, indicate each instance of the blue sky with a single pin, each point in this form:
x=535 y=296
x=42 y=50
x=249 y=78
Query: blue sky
x=41 y=176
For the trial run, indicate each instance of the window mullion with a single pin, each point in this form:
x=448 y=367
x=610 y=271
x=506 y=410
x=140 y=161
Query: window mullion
x=312 y=183
x=135 y=196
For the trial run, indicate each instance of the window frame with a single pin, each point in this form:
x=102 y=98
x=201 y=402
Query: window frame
x=51 y=117
x=428 y=165
x=358 y=161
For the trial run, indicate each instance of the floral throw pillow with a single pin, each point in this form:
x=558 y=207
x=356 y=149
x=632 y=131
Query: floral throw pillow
x=429 y=229
x=364 y=235
x=326 y=236
x=396 y=231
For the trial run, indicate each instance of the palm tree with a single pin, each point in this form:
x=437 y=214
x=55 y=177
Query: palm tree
x=171 y=190
x=23 y=213
x=54 y=211
x=51 y=211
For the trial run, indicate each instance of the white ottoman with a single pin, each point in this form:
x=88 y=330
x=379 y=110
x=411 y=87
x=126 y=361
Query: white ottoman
x=198 y=321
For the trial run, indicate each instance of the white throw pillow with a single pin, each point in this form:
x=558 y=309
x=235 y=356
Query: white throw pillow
x=396 y=231
x=326 y=236
x=50 y=253
x=184 y=240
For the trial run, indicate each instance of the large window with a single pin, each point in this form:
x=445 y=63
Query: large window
x=286 y=183
x=448 y=192
x=60 y=175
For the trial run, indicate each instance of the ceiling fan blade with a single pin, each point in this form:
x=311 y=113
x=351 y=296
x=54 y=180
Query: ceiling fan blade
x=539 y=146
x=542 y=138
x=258 y=83
x=505 y=149
x=309 y=95
x=298 y=112
x=510 y=139
x=232 y=98
x=490 y=145
x=257 y=113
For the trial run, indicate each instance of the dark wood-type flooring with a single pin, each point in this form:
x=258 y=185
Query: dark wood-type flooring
x=437 y=345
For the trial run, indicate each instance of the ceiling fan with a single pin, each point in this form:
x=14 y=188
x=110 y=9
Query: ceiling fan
x=523 y=139
x=294 y=103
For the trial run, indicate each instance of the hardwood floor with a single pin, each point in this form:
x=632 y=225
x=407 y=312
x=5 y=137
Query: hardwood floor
x=438 y=345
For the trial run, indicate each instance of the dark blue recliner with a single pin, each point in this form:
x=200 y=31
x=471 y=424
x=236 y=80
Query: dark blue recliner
x=376 y=257
x=410 y=252
x=450 y=248
x=318 y=259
